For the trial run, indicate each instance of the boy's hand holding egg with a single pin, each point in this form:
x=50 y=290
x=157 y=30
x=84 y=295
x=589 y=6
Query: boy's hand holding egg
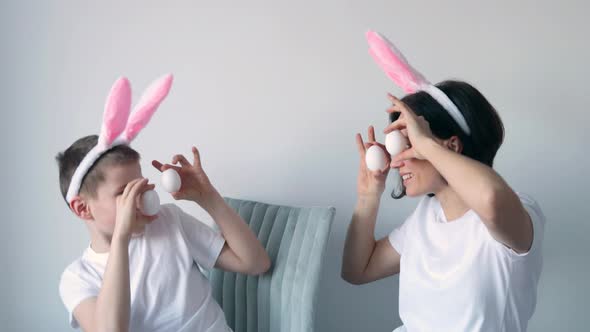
x=187 y=181
x=127 y=220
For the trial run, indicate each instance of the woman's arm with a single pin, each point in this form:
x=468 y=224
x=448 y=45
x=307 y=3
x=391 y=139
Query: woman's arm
x=483 y=190
x=478 y=185
x=364 y=259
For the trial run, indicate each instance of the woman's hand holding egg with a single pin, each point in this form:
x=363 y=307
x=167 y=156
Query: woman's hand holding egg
x=371 y=182
x=415 y=128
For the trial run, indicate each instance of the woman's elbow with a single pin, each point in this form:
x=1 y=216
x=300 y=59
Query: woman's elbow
x=351 y=278
x=492 y=205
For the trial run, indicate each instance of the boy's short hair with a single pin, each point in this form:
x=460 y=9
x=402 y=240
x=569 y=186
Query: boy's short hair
x=69 y=160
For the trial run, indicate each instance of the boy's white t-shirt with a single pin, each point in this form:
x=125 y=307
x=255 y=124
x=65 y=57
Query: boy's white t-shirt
x=168 y=291
x=454 y=276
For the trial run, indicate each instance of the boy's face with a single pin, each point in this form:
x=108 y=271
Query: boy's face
x=104 y=205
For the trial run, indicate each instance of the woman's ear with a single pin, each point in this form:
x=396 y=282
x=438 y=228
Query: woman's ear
x=81 y=208
x=454 y=144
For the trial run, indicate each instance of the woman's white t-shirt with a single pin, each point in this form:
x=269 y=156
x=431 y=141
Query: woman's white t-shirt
x=454 y=276
x=168 y=291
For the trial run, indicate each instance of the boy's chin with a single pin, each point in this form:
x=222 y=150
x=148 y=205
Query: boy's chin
x=138 y=233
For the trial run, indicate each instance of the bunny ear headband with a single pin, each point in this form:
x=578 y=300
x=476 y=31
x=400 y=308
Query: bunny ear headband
x=395 y=65
x=118 y=126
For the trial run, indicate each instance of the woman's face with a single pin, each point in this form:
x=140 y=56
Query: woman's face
x=420 y=177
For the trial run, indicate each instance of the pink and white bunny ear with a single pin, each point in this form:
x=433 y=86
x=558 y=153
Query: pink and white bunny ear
x=147 y=106
x=116 y=112
x=393 y=62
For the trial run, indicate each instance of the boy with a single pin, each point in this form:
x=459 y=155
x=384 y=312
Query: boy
x=140 y=273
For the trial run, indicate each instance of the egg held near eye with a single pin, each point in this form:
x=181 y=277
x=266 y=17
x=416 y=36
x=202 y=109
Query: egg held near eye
x=395 y=142
x=375 y=158
x=150 y=203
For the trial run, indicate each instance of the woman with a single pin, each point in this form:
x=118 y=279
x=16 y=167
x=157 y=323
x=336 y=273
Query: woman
x=469 y=256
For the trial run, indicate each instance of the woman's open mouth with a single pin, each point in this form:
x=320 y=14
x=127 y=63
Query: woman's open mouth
x=407 y=177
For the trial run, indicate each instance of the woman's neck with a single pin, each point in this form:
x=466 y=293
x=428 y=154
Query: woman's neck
x=452 y=205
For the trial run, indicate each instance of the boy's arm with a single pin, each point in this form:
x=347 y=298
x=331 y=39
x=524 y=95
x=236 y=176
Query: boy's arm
x=109 y=311
x=242 y=252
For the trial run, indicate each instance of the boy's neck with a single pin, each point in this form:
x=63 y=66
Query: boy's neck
x=100 y=243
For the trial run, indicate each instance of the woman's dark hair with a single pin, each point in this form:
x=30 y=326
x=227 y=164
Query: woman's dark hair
x=487 y=130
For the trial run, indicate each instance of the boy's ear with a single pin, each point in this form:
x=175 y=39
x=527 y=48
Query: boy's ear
x=454 y=144
x=81 y=208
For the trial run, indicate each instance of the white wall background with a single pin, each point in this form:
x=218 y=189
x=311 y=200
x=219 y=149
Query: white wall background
x=273 y=93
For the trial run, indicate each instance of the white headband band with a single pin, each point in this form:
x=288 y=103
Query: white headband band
x=397 y=68
x=118 y=125
x=448 y=105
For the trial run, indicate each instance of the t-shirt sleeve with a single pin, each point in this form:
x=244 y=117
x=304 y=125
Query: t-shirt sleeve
x=397 y=237
x=538 y=221
x=204 y=243
x=75 y=287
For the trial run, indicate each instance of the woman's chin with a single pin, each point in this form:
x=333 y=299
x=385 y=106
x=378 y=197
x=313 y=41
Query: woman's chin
x=412 y=191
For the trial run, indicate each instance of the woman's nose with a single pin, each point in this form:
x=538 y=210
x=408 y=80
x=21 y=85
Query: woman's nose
x=397 y=164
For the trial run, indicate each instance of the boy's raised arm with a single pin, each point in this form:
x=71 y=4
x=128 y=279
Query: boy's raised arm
x=110 y=310
x=242 y=251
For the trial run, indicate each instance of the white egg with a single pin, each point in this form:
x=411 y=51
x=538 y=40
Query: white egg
x=395 y=142
x=375 y=158
x=150 y=203
x=170 y=180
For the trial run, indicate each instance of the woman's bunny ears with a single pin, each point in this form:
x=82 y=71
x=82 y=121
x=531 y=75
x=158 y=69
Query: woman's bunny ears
x=119 y=125
x=399 y=70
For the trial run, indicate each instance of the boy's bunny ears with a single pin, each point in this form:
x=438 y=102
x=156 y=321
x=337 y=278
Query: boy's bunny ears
x=119 y=125
x=395 y=65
